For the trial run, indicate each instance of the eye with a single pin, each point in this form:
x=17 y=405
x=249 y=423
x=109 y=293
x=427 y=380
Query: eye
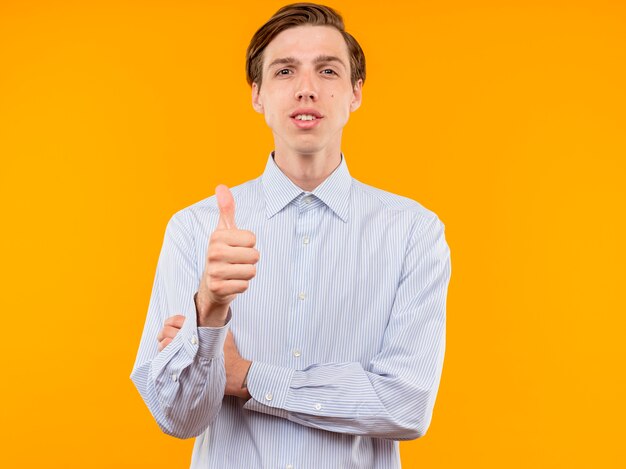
x=329 y=71
x=283 y=71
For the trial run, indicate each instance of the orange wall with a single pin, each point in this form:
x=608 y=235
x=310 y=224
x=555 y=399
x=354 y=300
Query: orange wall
x=508 y=119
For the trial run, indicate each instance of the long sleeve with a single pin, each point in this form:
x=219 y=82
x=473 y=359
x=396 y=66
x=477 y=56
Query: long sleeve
x=183 y=385
x=394 y=396
x=344 y=323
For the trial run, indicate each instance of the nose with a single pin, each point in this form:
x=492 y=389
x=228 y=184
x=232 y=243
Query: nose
x=305 y=94
x=305 y=90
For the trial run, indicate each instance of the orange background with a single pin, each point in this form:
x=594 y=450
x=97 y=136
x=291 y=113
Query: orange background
x=508 y=119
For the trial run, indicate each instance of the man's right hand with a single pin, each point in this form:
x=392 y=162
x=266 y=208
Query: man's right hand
x=230 y=264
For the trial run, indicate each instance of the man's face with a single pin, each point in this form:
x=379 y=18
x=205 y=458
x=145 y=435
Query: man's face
x=306 y=93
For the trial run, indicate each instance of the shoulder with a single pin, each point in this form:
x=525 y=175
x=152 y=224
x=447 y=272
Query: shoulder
x=394 y=205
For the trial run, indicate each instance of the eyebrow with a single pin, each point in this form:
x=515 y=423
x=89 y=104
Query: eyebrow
x=293 y=61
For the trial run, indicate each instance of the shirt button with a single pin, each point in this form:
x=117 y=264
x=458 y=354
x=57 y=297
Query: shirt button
x=305 y=240
x=308 y=199
x=296 y=353
x=194 y=340
x=289 y=466
x=268 y=396
x=318 y=406
x=302 y=295
x=174 y=377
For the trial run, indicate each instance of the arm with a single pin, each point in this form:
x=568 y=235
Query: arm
x=182 y=385
x=393 y=397
x=180 y=367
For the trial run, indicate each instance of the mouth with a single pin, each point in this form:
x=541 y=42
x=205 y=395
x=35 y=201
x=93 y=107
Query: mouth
x=306 y=118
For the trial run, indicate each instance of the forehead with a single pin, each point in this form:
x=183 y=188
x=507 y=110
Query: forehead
x=305 y=43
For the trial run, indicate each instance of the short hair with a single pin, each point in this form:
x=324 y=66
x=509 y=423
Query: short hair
x=300 y=14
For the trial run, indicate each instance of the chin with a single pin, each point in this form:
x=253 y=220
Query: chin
x=310 y=145
x=308 y=150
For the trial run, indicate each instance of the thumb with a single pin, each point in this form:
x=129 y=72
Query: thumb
x=226 y=205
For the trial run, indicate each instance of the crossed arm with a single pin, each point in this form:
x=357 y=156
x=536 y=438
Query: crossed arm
x=236 y=367
x=189 y=367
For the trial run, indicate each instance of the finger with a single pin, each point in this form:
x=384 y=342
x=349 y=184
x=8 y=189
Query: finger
x=164 y=343
x=226 y=205
x=232 y=271
x=233 y=255
x=242 y=238
x=167 y=331
x=176 y=321
x=223 y=288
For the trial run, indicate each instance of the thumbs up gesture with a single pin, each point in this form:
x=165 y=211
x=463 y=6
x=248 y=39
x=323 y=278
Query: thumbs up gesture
x=230 y=264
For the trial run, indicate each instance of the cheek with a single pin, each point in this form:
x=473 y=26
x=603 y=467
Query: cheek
x=341 y=98
x=343 y=105
x=271 y=117
x=268 y=117
x=271 y=108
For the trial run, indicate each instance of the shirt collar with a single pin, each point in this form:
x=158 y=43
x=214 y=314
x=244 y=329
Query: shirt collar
x=279 y=190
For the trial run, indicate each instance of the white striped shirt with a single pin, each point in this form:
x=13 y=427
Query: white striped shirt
x=344 y=324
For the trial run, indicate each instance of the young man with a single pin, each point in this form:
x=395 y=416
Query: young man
x=299 y=321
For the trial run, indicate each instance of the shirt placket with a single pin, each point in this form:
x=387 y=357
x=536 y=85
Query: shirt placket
x=304 y=247
x=308 y=208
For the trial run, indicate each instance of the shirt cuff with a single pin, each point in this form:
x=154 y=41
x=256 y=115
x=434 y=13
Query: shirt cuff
x=211 y=339
x=268 y=385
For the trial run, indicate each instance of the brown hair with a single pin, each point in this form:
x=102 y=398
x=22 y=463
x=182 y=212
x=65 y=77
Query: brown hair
x=298 y=14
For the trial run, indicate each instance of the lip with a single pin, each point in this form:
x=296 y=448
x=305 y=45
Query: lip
x=306 y=124
x=306 y=110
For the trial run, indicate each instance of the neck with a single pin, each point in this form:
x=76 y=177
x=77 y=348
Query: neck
x=307 y=171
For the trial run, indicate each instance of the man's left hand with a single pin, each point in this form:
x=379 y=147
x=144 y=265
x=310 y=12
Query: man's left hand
x=236 y=369
x=236 y=366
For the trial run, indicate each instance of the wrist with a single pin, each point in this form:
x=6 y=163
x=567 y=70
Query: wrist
x=209 y=314
x=244 y=384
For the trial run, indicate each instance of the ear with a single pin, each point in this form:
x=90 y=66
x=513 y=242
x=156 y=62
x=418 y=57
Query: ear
x=257 y=103
x=356 y=96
